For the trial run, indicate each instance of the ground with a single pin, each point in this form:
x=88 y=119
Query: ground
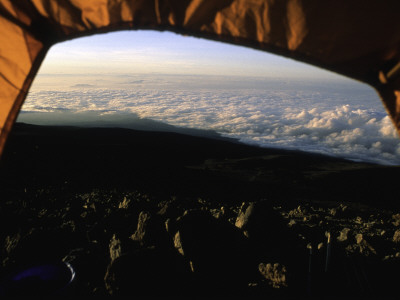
x=164 y=214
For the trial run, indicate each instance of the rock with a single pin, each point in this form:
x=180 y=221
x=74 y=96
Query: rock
x=366 y=248
x=358 y=220
x=216 y=249
x=361 y=246
x=274 y=274
x=119 y=222
x=168 y=225
x=11 y=242
x=178 y=243
x=332 y=211
x=143 y=221
x=149 y=272
x=151 y=230
x=124 y=204
x=339 y=212
x=298 y=212
x=343 y=234
x=245 y=212
x=396 y=236
x=262 y=222
x=267 y=231
x=217 y=213
x=115 y=248
x=359 y=238
x=170 y=209
x=396 y=219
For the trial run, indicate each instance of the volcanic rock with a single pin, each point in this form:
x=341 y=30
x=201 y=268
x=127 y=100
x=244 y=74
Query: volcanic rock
x=143 y=221
x=115 y=248
x=396 y=219
x=264 y=226
x=343 y=235
x=275 y=274
x=396 y=236
x=151 y=230
x=149 y=272
x=217 y=251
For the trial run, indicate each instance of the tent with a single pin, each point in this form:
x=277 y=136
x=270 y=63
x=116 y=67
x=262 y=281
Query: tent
x=356 y=38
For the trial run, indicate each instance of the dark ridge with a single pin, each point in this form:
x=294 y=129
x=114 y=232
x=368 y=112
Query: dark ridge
x=173 y=163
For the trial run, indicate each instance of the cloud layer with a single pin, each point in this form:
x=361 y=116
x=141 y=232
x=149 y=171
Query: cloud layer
x=339 y=119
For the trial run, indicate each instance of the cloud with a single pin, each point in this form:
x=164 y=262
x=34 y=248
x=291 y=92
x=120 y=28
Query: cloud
x=311 y=118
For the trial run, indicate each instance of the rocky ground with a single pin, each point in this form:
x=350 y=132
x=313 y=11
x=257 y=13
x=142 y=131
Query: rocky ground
x=194 y=218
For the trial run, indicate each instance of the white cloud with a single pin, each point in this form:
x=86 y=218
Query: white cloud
x=318 y=119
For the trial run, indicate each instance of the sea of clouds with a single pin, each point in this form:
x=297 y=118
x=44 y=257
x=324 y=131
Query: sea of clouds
x=341 y=118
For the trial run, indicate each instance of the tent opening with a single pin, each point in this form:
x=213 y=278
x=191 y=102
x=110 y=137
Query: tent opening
x=162 y=81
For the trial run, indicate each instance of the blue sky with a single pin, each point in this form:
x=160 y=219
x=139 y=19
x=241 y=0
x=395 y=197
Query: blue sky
x=168 y=53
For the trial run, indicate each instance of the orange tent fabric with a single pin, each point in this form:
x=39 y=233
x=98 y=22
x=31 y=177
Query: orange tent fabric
x=356 y=38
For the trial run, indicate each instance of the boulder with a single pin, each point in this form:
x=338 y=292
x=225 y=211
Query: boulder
x=149 y=272
x=275 y=274
x=115 y=248
x=217 y=251
x=142 y=230
x=263 y=225
x=151 y=231
x=245 y=213
x=396 y=236
x=343 y=234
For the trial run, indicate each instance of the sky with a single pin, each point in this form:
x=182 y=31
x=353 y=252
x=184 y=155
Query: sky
x=163 y=81
x=148 y=51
